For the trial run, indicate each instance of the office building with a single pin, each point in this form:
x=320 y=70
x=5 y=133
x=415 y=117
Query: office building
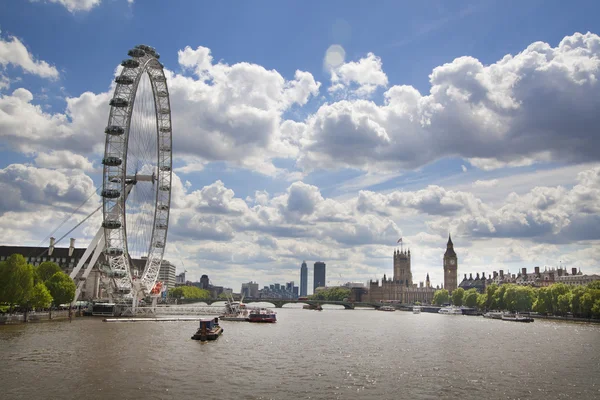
x=319 y=275
x=303 y=279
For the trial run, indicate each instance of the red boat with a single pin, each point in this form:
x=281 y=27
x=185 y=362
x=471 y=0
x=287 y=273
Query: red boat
x=262 y=315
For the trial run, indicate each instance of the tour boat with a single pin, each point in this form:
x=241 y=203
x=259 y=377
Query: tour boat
x=450 y=311
x=262 y=315
x=516 y=318
x=209 y=329
x=235 y=311
x=416 y=310
x=386 y=308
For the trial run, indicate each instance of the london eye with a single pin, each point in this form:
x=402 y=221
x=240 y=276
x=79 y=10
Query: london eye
x=137 y=168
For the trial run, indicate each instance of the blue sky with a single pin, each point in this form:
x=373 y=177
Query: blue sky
x=426 y=163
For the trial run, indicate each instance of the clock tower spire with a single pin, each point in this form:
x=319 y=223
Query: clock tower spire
x=450 y=266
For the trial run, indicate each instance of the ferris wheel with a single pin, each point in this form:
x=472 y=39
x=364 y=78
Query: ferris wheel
x=136 y=191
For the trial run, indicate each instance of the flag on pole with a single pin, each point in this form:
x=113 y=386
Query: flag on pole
x=400 y=240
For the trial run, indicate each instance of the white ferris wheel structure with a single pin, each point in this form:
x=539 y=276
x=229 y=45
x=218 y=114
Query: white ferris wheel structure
x=136 y=182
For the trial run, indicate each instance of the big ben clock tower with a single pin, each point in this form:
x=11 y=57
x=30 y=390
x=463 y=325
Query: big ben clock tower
x=450 y=267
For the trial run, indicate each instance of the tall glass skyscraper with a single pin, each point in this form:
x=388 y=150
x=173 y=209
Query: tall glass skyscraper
x=319 y=275
x=303 y=279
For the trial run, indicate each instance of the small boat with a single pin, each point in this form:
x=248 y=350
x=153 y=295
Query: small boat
x=386 y=308
x=516 y=318
x=209 y=329
x=493 y=315
x=416 y=310
x=312 y=307
x=450 y=311
x=262 y=315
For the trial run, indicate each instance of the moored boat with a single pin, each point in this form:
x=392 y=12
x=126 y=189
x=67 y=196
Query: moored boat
x=209 y=329
x=516 y=318
x=450 y=311
x=262 y=315
x=493 y=315
x=386 y=308
x=416 y=310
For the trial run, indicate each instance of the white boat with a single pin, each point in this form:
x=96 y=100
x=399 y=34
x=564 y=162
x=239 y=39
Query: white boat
x=386 y=308
x=235 y=311
x=450 y=311
x=417 y=310
x=493 y=315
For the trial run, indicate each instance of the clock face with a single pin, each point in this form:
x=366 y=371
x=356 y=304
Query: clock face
x=451 y=262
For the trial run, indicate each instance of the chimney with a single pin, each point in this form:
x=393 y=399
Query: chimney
x=537 y=270
x=495 y=274
x=477 y=276
x=483 y=275
x=71 y=247
x=524 y=271
x=560 y=271
x=501 y=273
x=465 y=277
x=470 y=277
x=573 y=271
x=51 y=248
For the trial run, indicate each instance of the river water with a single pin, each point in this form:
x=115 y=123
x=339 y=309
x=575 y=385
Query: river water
x=333 y=354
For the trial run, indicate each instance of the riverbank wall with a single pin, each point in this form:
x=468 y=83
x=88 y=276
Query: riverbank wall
x=34 y=317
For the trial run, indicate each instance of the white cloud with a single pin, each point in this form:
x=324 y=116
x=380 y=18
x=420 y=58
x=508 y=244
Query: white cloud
x=13 y=52
x=536 y=106
x=361 y=78
x=63 y=159
x=486 y=184
x=80 y=5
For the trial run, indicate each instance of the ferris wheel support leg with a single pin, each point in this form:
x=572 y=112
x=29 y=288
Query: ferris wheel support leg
x=96 y=245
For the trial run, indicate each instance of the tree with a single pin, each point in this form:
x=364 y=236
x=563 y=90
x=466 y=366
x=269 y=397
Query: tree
x=17 y=281
x=557 y=290
x=223 y=296
x=189 y=292
x=46 y=270
x=440 y=297
x=576 y=295
x=543 y=303
x=519 y=298
x=482 y=300
x=457 y=296
x=470 y=298
x=498 y=299
x=332 y=294
x=40 y=297
x=490 y=300
x=62 y=288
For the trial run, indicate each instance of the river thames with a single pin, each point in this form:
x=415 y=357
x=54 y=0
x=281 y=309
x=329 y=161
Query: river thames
x=333 y=354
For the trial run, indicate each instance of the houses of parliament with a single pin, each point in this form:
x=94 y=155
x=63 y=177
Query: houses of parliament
x=400 y=286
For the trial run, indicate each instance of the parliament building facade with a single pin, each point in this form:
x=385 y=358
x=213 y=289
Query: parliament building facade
x=401 y=288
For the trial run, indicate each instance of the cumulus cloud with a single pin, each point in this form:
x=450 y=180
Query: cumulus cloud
x=63 y=159
x=532 y=107
x=25 y=187
x=547 y=214
x=361 y=78
x=13 y=52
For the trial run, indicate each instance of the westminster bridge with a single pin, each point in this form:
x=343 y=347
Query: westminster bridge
x=278 y=303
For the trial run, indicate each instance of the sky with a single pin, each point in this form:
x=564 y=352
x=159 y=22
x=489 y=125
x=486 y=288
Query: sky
x=320 y=131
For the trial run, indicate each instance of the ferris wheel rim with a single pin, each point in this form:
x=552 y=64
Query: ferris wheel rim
x=117 y=184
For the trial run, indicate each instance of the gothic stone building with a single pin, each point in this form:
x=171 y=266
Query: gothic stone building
x=400 y=288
